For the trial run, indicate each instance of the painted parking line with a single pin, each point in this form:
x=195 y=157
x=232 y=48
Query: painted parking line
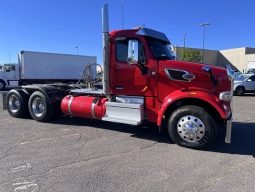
x=48 y=139
x=26 y=186
x=21 y=168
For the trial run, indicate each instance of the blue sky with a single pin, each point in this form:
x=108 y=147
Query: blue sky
x=60 y=26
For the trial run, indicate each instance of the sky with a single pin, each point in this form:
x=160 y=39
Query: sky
x=61 y=26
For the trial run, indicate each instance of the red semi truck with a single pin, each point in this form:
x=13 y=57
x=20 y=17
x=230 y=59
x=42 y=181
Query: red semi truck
x=142 y=82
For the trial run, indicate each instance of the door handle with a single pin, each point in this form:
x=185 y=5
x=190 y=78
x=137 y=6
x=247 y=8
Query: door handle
x=119 y=87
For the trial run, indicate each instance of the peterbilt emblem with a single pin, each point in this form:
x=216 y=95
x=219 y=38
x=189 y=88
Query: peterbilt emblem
x=188 y=76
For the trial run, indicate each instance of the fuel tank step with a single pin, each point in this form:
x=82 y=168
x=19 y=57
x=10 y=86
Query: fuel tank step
x=128 y=113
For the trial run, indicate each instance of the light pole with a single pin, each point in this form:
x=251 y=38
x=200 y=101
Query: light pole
x=77 y=50
x=204 y=26
x=184 y=46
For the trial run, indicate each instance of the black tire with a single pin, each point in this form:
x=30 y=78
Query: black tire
x=17 y=101
x=197 y=119
x=239 y=91
x=2 y=85
x=40 y=107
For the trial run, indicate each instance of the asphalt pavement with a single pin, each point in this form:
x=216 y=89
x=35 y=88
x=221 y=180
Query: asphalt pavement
x=76 y=155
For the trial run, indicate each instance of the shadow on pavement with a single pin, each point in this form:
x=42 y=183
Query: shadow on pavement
x=247 y=95
x=243 y=140
x=243 y=134
x=149 y=132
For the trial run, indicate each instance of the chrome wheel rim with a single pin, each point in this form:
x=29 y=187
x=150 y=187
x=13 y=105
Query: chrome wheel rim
x=38 y=107
x=14 y=103
x=191 y=128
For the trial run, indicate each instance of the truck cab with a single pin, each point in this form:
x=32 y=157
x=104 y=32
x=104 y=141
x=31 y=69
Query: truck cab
x=142 y=82
x=9 y=75
x=142 y=64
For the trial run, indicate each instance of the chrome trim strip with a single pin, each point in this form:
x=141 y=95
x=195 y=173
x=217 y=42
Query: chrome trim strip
x=69 y=105
x=93 y=110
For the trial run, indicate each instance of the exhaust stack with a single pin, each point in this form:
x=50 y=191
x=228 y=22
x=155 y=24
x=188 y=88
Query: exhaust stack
x=105 y=30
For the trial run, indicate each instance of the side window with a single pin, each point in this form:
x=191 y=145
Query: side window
x=9 y=68
x=122 y=51
x=252 y=78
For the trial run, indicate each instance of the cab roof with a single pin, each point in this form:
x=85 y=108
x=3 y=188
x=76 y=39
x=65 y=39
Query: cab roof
x=143 y=32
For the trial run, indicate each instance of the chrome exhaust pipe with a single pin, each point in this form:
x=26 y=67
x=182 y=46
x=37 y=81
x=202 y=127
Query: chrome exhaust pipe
x=106 y=53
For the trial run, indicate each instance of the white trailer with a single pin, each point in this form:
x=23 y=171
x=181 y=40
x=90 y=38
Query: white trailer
x=39 y=67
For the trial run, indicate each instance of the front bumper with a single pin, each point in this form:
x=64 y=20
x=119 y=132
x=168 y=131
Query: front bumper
x=230 y=74
x=228 y=130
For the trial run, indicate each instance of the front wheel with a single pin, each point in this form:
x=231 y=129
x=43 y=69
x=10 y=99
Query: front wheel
x=192 y=127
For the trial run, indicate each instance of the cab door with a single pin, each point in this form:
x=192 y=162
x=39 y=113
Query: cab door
x=10 y=72
x=128 y=79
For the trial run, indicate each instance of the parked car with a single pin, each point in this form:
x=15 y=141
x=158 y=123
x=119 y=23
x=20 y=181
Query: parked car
x=244 y=84
x=237 y=75
x=251 y=71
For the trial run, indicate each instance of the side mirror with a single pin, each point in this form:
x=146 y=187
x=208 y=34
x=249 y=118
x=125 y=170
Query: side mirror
x=249 y=80
x=132 y=51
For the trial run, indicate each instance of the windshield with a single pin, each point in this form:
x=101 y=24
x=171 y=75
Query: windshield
x=160 y=49
x=1 y=67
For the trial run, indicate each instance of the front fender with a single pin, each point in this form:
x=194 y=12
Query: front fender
x=199 y=95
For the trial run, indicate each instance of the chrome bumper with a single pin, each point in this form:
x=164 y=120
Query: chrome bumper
x=228 y=131
x=230 y=74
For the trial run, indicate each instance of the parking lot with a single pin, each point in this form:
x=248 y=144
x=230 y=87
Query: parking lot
x=72 y=154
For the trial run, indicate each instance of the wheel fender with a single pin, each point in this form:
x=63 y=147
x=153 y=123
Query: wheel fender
x=180 y=95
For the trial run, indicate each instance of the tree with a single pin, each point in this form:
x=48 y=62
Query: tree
x=191 y=55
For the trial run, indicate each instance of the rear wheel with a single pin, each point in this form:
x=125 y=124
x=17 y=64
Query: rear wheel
x=192 y=127
x=17 y=103
x=40 y=108
x=239 y=91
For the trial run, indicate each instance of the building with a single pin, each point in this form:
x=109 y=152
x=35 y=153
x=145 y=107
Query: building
x=241 y=59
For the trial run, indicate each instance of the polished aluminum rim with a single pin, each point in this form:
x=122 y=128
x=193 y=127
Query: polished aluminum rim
x=191 y=128
x=14 y=103
x=38 y=107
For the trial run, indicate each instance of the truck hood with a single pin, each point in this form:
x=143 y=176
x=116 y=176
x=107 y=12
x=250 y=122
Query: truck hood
x=200 y=79
x=239 y=81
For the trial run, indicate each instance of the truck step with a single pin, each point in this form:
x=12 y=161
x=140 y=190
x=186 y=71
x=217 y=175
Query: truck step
x=115 y=120
x=128 y=113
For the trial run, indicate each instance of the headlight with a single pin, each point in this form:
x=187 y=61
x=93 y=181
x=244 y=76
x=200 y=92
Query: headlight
x=226 y=96
x=230 y=72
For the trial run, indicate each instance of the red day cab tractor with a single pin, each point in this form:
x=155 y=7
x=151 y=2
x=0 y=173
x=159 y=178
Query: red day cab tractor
x=142 y=82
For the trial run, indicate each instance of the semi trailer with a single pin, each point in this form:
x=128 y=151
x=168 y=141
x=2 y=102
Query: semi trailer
x=40 y=67
x=142 y=82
